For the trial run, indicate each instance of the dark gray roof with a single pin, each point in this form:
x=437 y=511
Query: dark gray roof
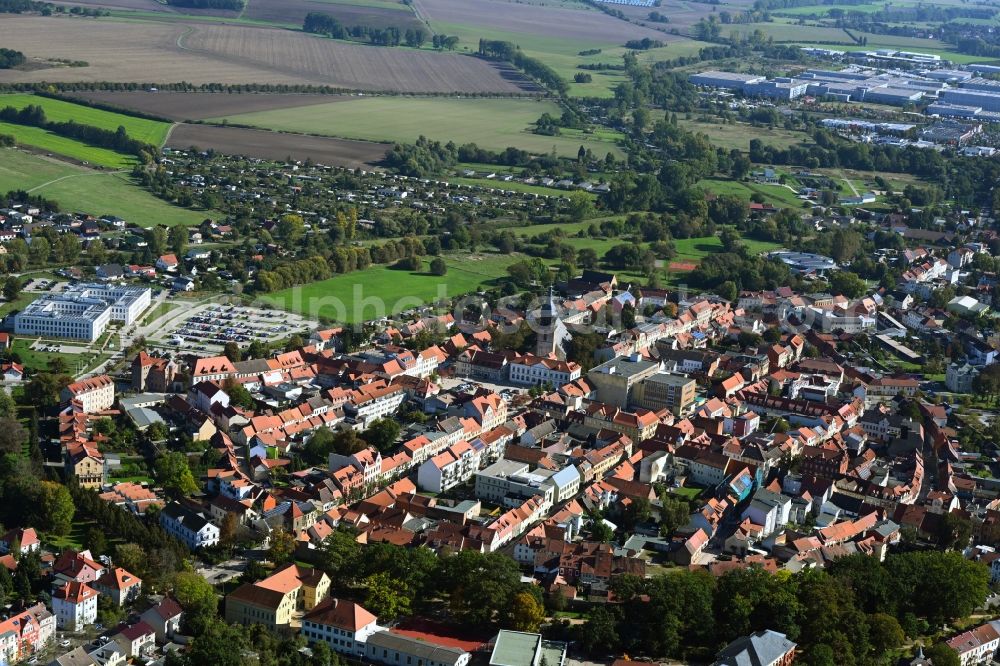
x=416 y=647
x=759 y=649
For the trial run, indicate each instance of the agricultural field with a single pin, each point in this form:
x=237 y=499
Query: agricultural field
x=580 y=23
x=293 y=12
x=77 y=188
x=490 y=123
x=380 y=290
x=149 y=131
x=159 y=51
x=181 y=106
x=268 y=145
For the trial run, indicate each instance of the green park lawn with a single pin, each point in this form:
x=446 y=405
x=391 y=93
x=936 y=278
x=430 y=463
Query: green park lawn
x=494 y=124
x=76 y=188
x=380 y=290
x=149 y=131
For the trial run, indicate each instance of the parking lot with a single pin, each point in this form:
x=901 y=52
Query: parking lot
x=210 y=327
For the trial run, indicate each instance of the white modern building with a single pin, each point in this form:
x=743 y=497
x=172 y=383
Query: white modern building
x=83 y=311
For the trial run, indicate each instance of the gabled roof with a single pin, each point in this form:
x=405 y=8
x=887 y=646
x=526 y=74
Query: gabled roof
x=340 y=614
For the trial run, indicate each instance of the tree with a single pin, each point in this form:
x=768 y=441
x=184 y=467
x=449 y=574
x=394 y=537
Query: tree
x=177 y=238
x=197 y=597
x=290 y=228
x=600 y=531
x=479 y=586
x=96 y=542
x=239 y=395
x=282 y=547
x=319 y=446
x=131 y=557
x=55 y=506
x=12 y=436
x=43 y=390
x=339 y=555
x=157 y=432
x=382 y=434
x=11 y=287
x=438 y=266
x=600 y=632
x=219 y=644
x=526 y=613
x=886 y=634
x=940 y=654
x=848 y=284
x=174 y=474
x=232 y=352
x=384 y=597
x=674 y=513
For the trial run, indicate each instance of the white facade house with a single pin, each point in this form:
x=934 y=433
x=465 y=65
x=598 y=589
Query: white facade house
x=453 y=466
x=191 y=527
x=74 y=605
x=769 y=509
x=532 y=370
x=343 y=625
x=93 y=395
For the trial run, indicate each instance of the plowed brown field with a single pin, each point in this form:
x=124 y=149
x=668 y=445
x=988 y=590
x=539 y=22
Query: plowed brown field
x=160 y=52
x=274 y=146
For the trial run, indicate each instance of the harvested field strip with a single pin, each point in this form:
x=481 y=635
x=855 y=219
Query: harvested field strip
x=277 y=146
x=200 y=105
x=149 y=131
x=490 y=123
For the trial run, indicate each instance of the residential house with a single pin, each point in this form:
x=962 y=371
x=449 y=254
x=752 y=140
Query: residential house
x=272 y=602
x=74 y=605
x=191 y=527
x=343 y=625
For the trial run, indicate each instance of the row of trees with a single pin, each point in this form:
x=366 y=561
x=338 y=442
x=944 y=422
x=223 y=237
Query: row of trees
x=324 y=24
x=508 y=52
x=10 y=58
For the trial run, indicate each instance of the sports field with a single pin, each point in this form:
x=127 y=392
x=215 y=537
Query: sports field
x=149 y=131
x=490 y=123
x=85 y=190
x=380 y=290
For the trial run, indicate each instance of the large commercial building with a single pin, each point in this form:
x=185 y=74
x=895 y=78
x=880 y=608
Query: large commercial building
x=83 y=311
x=986 y=100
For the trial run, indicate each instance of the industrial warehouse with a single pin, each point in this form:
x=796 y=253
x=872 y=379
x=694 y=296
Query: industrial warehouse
x=951 y=93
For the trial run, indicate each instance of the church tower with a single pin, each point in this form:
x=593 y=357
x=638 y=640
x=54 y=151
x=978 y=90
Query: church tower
x=550 y=332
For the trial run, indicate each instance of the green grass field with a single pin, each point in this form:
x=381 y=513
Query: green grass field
x=490 y=123
x=76 y=188
x=149 y=131
x=739 y=135
x=380 y=290
x=41 y=139
x=776 y=195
